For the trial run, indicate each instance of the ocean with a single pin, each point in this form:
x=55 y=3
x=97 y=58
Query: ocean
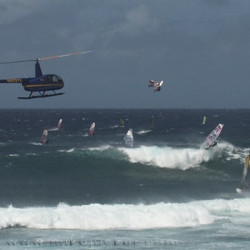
x=95 y=192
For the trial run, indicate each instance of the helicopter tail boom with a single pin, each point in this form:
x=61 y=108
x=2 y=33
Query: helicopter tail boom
x=12 y=80
x=23 y=81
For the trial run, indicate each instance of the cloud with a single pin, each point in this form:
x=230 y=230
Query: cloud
x=136 y=21
x=12 y=10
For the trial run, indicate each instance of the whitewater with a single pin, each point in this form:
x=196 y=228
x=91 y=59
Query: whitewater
x=125 y=216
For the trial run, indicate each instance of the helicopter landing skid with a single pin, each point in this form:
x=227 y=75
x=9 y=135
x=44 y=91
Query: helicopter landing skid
x=39 y=96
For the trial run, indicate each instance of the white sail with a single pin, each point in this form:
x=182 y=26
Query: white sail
x=129 y=138
x=44 y=137
x=214 y=135
x=92 y=129
x=204 y=120
x=59 y=125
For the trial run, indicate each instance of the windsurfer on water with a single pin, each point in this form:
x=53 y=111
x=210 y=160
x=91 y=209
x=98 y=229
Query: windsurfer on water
x=44 y=137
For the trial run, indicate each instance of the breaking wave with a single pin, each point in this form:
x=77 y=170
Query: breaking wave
x=179 y=158
x=166 y=157
x=131 y=217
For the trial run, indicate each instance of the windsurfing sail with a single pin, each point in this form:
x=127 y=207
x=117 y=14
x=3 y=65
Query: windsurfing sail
x=211 y=139
x=129 y=138
x=44 y=137
x=122 y=122
x=245 y=170
x=59 y=125
x=92 y=129
x=244 y=175
x=204 y=120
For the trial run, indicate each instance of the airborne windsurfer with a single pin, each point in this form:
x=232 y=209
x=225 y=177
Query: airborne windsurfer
x=211 y=139
x=155 y=84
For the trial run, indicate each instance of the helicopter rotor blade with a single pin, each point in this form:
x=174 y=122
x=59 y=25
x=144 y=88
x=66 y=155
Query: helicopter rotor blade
x=48 y=58
x=59 y=56
x=20 y=61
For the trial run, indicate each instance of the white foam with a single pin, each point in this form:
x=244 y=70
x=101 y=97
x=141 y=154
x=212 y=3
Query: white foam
x=126 y=216
x=100 y=148
x=142 y=132
x=53 y=129
x=13 y=155
x=221 y=205
x=36 y=143
x=114 y=126
x=183 y=158
x=99 y=217
x=233 y=152
x=71 y=150
x=168 y=157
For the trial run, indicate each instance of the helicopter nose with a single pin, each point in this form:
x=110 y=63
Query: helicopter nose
x=59 y=81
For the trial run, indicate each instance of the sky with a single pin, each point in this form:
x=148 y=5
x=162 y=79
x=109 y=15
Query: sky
x=199 y=48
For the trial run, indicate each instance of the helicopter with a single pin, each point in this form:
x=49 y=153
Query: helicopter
x=43 y=84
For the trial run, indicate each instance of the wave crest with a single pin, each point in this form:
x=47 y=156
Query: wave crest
x=168 y=157
x=126 y=216
x=100 y=217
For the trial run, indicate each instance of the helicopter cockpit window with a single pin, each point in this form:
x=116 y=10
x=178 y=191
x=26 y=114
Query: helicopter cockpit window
x=59 y=79
x=56 y=78
x=49 y=78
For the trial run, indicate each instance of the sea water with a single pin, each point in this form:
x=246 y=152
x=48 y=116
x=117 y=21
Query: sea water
x=94 y=192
